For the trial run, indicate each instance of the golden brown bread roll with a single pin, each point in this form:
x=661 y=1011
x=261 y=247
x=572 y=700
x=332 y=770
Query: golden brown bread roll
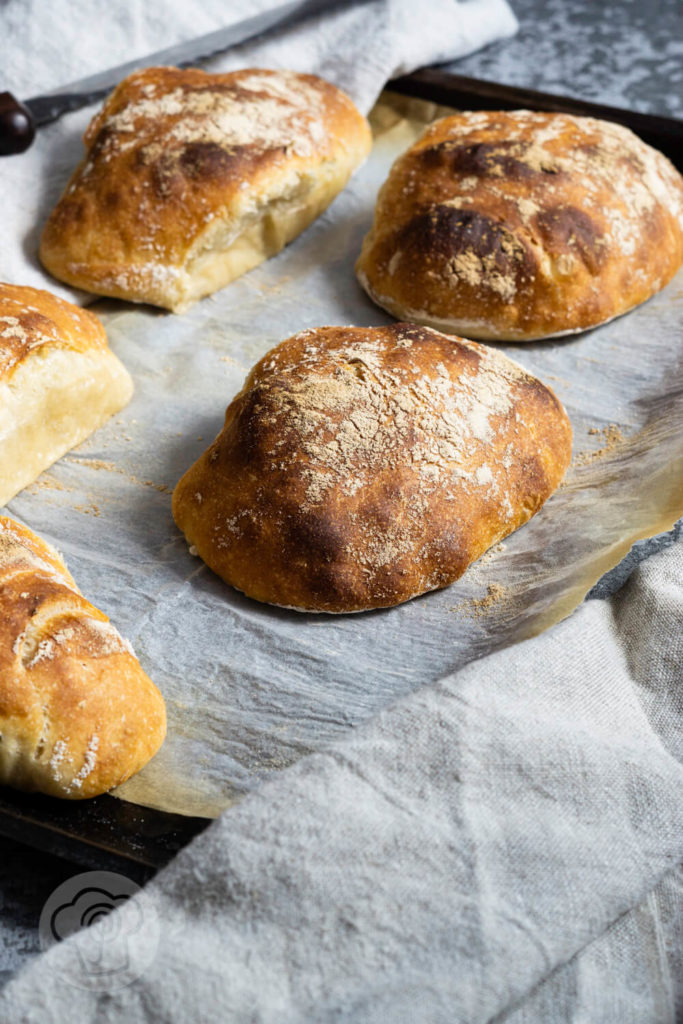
x=77 y=713
x=59 y=381
x=191 y=179
x=523 y=225
x=359 y=467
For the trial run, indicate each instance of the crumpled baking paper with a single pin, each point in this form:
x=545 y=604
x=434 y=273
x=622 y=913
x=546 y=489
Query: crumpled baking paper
x=251 y=688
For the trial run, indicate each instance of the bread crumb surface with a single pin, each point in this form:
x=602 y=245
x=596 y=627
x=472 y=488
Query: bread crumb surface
x=613 y=436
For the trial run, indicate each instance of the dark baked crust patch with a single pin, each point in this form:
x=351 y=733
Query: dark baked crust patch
x=359 y=467
x=523 y=225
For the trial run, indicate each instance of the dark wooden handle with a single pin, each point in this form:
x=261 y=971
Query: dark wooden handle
x=17 y=129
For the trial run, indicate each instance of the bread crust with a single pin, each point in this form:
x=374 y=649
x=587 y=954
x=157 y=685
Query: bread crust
x=77 y=713
x=359 y=467
x=520 y=225
x=59 y=381
x=190 y=179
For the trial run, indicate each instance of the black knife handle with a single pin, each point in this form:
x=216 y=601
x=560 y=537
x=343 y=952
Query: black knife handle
x=17 y=128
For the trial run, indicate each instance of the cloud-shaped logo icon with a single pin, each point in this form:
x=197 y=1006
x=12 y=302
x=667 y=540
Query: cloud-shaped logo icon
x=114 y=938
x=90 y=904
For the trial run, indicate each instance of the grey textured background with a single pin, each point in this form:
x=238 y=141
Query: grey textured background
x=626 y=53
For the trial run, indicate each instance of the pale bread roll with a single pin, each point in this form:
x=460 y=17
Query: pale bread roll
x=191 y=179
x=77 y=713
x=359 y=467
x=519 y=225
x=59 y=381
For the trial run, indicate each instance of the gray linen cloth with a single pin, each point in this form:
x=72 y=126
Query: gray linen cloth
x=505 y=842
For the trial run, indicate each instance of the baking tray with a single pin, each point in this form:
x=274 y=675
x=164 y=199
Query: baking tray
x=108 y=833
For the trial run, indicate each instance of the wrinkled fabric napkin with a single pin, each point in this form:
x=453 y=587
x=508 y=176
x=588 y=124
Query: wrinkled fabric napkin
x=503 y=845
x=44 y=46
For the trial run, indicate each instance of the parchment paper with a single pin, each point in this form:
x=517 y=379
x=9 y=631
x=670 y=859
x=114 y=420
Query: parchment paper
x=251 y=688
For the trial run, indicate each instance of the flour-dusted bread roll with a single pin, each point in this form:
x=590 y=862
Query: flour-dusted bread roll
x=77 y=713
x=191 y=179
x=523 y=225
x=59 y=381
x=359 y=467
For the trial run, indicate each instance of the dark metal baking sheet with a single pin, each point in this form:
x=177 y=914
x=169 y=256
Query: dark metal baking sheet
x=103 y=833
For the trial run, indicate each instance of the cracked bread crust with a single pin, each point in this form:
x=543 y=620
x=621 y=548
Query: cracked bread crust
x=360 y=467
x=78 y=715
x=190 y=179
x=520 y=225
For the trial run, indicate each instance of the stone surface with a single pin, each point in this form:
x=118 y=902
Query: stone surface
x=625 y=53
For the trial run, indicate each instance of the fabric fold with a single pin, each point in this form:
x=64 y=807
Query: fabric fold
x=442 y=862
